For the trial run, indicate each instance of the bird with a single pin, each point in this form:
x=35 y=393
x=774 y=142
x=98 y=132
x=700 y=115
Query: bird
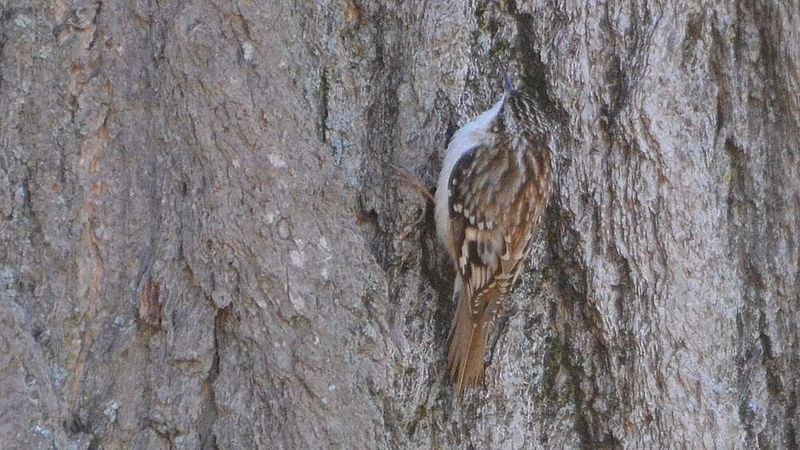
x=494 y=186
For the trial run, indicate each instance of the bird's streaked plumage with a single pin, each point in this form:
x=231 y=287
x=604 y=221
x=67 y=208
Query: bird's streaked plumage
x=494 y=186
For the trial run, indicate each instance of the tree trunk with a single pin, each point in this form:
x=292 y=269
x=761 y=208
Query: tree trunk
x=204 y=242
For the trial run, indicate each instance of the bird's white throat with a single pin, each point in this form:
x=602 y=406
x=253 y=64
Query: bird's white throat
x=473 y=133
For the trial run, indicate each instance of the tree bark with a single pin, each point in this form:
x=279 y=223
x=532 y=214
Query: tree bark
x=205 y=242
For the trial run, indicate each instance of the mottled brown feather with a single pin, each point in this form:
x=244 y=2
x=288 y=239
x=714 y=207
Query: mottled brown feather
x=497 y=196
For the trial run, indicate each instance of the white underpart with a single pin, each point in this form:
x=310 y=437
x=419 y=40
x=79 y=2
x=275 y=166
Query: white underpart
x=468 y=136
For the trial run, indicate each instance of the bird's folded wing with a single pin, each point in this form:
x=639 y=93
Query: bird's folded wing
x=490 y=194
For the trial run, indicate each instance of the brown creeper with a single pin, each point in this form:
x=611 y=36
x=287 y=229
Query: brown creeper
x=494 y=186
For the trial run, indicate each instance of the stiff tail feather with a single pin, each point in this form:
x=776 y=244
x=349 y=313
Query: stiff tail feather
x=468 y=336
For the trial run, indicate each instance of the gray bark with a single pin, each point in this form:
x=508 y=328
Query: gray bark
x=204 y=244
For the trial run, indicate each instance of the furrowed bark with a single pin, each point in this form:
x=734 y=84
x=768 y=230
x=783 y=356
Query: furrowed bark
x=204 y=242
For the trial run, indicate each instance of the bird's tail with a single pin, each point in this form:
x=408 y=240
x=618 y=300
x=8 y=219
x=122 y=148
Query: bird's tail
x=468 y=340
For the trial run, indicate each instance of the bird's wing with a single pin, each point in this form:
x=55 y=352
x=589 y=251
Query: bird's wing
x=493 y=212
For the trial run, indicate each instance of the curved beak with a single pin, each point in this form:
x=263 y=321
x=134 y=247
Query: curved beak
x=508 y=85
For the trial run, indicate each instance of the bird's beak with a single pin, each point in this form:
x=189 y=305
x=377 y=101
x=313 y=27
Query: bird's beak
x=507 y=83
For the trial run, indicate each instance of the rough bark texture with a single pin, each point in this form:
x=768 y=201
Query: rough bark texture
x=203 y=243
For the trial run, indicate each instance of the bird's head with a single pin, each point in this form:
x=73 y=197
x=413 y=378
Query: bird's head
x=519 y=115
